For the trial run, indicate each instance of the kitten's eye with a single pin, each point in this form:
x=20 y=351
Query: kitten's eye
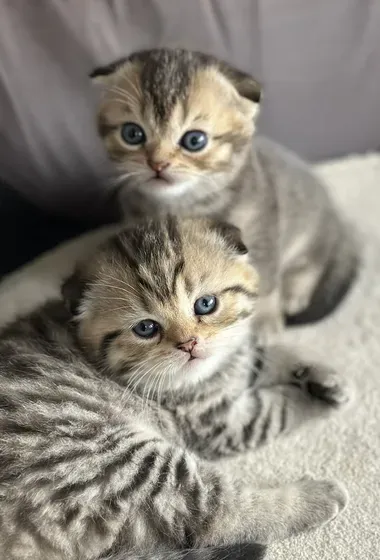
x=194 y=140
x=146 y=328
x=133 y=134
x=205 y=305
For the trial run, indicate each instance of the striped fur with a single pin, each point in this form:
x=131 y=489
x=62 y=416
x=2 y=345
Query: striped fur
x=306 y=255
x=104 y=437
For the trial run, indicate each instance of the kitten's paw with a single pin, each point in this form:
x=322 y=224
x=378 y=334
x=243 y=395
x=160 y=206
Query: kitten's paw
x=268 y=320
x=298 y=507
x=323 y=383
x=320 y=501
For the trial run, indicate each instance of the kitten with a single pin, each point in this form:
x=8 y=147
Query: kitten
x=179 y=127
x=117 y=404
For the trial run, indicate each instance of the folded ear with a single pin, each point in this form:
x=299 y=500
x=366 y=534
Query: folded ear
x=245 y=84
x=73 y=290
x=232 y=236
x=104 y=74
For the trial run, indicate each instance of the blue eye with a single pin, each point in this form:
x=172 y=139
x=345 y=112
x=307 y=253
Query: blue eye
x=146 y=328
x=133 y=134
x=194 y=140
x=205 y=305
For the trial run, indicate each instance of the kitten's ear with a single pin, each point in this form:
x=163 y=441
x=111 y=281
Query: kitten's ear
x=73 y=290
x=105 y=74
x=245 y=84
x=232 y=235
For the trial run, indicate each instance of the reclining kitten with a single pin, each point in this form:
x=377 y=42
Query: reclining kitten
x=117 y=404
x=179 y=126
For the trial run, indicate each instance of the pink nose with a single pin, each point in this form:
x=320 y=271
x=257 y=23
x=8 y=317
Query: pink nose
x=158 y=166
x=187 y=346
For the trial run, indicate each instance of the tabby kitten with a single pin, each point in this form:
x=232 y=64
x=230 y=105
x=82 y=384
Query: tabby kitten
x=114 y=402
x=179 y=126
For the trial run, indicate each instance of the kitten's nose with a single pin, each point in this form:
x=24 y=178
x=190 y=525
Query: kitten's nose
x=158 y=166
x=188 y=346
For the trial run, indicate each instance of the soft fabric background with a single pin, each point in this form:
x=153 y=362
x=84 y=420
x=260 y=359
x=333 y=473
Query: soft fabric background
x=348 y=446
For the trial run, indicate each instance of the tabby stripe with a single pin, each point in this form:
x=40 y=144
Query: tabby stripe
x=162 y=477
x=230 y=444
x=188 y=286
x=71 y=514
x=154 y=290
x=105 y=473
x=62 y=400
x=257 y=366
x=239 y=290
x=207 y=416
x=284 y=417
x=104 y=128
x=62 y=396
x=123 y=458
x=107 y=446
x=248 y=428
x=107 y=341
x=265 y=428
x=13 y=427
x=189 y=537
x=217 y=431
x=7 y=402
x=68 y=457
x=177 y=271
x=213 y=502
x=124 y=252
x=244 y=314
x=181 y=471
x=193 y=498
x=145 y=469
x=24 y=517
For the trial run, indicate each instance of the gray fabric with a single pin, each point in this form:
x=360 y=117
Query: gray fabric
x=319 y=62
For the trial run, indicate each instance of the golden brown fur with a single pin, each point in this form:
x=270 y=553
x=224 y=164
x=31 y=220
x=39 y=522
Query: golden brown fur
x=121 y=297
x=212 y=104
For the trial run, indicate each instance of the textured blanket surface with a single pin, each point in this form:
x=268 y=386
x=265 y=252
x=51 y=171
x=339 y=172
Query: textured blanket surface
x=346 y=447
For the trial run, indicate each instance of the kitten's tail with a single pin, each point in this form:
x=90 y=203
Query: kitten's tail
x=340 y=274
x=237 y=552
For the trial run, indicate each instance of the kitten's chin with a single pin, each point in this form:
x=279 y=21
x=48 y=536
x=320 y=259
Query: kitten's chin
x=167 y=188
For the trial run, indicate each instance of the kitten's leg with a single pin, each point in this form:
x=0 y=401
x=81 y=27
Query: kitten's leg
x=151 y=493
x=263 y=250
x=268 y=318
x=288 y=392
x=181 y=499
x=298 y=287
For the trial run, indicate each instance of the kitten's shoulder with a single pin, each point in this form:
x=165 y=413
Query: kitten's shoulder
x=273 y=153
x=50 y=317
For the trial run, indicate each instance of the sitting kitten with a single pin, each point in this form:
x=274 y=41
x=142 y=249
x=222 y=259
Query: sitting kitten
x=112 y=404
x=179 y=126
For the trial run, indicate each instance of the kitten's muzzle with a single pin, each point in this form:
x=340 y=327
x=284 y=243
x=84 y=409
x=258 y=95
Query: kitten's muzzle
x=189 y=345
x=158 y=166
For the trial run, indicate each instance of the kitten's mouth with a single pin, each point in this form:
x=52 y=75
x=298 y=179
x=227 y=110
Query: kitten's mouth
x=161 y=180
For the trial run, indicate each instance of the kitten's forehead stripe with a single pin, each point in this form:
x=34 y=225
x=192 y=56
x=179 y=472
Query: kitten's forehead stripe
x=239 y=290
x=155 y=256
x=165 y=79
